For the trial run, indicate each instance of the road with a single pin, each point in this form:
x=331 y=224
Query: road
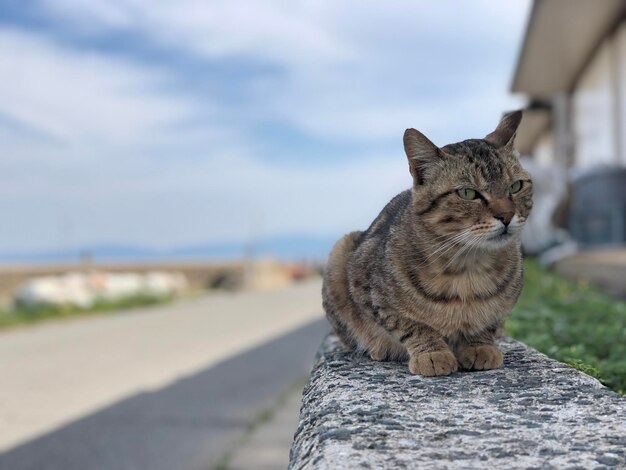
x=166 y=387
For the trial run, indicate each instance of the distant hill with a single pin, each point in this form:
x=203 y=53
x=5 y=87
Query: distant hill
x=293 y=247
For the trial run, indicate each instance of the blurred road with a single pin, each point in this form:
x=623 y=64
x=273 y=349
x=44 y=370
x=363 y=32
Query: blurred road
x=166 y=387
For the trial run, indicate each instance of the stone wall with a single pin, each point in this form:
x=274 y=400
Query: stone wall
x=533 y=413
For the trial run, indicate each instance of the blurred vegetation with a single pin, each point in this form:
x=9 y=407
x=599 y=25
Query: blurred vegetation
x=20 y=315
x=574 y=323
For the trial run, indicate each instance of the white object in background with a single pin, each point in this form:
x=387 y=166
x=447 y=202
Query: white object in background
x=84 y=289
x=69 y=289
x=549 y=188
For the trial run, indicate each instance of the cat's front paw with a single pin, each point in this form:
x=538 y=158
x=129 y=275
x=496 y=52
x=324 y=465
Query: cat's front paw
x=433 y=363
x=482 y=357
x=378 y=354
x=387 y=350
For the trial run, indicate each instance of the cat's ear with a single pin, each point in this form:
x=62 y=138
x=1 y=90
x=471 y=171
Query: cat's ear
x=504 y=135
x=421 y=152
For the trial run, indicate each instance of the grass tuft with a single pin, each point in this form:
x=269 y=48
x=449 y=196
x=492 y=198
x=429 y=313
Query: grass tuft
x=23 y=315
x=572 y=322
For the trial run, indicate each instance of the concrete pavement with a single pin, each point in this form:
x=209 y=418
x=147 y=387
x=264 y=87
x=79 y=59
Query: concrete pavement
x=119 y=389
x=268 y=444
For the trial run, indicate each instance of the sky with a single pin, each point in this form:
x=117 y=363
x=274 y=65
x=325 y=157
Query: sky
x=161 y=124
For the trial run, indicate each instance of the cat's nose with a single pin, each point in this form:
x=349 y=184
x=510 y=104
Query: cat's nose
x=505 y=217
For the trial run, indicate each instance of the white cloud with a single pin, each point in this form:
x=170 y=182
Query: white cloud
x=305 y=32
x=105 y=151
x=284 y=31
x=80 y=97
x=357 y=69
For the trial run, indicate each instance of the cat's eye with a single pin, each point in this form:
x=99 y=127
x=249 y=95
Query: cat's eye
x=467 y=193
x=515 y=187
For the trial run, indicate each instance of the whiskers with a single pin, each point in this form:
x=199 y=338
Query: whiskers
x=465 y=251
x=458 y=247
x=446 y=247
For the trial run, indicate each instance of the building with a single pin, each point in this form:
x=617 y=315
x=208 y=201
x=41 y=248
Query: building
x=572 y=69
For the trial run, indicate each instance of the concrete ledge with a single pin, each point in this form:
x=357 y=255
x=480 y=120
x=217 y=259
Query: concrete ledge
x=533 y=413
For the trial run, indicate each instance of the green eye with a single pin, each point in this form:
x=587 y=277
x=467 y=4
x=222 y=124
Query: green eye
x=467 y=193
x=515 y=187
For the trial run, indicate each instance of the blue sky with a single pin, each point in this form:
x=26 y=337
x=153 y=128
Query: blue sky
x=169 y=123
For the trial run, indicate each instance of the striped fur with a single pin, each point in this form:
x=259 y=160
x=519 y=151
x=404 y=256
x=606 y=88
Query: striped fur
x=432 y=278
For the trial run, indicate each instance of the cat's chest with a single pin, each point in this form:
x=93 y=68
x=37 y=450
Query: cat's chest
x=470 y=301
x=465 y=286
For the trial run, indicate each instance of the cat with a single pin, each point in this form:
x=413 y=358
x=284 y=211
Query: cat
x=433 y=277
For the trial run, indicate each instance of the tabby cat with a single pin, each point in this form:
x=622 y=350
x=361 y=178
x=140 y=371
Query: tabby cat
x=434 y=275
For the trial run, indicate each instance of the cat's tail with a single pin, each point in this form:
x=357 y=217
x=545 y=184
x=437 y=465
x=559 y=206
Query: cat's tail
x=335 y=290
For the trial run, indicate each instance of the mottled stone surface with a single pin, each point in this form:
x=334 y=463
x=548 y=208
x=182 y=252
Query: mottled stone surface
x=533 y=413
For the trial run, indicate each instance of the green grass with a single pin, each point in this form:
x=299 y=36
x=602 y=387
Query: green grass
x=572 y=322
x=25 y=315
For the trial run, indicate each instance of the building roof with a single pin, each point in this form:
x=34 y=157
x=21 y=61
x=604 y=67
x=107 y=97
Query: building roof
x=560 y=37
